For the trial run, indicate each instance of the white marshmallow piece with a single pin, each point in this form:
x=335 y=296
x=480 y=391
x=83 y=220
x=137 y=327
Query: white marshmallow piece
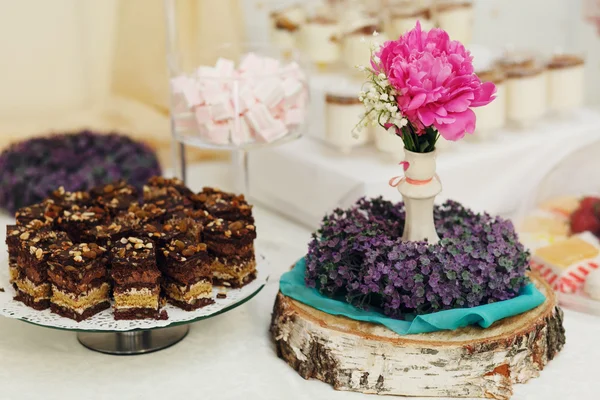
x=179 y=83
x=213 y=93
x=291 y=89
x=271 y=66
x=293 y=70
x=225 y=67
x=294 y=116
x=277 y=131
x=216 y=133
x=241 y=133
x=259 y=118
x=251 y=63
x=246 y=98
x=269 y=92
x=191 y=92
x=202 y=114
x=207 y=72
x=222 y=111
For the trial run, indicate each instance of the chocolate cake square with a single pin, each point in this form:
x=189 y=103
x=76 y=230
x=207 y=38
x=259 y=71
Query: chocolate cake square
x=80 y=281
x=32 y=285
x=77 y=220
x=103 y=235
x=115 y=197
x=46 y=212
x=186 y=266
x=65 y=199
x=131 y=222
x=156 y=185
x=15 y=235
x=232 y=246
x=166 y=197
x=227 y=206
x=136 y=279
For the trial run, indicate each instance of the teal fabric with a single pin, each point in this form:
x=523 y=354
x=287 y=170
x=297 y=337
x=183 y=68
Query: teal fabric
x=292 y=285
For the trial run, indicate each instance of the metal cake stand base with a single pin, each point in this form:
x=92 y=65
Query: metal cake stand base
x=133 y=343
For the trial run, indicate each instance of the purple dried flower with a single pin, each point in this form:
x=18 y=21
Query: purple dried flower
x=32 y=169
x=358 y=254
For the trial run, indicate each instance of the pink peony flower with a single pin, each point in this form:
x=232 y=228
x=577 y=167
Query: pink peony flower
x=435 y=81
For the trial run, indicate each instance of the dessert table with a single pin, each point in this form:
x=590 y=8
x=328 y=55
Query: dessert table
x=231 y=356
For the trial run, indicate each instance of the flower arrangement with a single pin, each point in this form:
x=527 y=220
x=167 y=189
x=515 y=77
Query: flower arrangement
x=421 y=86
x=32 y=169
x=358 y=255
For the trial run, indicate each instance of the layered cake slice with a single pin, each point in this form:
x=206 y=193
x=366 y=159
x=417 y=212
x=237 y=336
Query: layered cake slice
x=77 y=220
x=130 y=223
x=136 y=279
x=65 y=199
x=115 y=197
x=167 y=193
x=80 y=281
x=154 y=184
x=45 y=212
x=32 y=285
x=226 y=206
x=232 y=246
x=15 y=234
x=186 y=267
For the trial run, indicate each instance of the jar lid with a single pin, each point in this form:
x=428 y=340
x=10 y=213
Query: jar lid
x=520 y=64
x=560 y=61
x=495 y=75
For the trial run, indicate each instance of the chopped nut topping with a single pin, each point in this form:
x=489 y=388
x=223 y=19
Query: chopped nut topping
x=24 y=235
x=39 y=254
x=124 y=240
x=78 y=259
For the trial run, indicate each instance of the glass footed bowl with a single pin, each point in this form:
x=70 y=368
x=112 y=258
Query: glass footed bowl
x=544 y=222
x=252 y=95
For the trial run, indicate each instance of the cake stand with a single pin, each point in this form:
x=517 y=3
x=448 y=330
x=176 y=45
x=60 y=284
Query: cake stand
x=103 y=334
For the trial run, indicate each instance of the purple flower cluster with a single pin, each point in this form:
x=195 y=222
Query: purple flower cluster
x=32 y=169
x=358 y=255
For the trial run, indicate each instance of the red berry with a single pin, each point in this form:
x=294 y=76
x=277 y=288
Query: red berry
x=589 y=203
x=584 y=220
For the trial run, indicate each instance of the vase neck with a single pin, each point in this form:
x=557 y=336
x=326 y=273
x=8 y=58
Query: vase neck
x=421 y=166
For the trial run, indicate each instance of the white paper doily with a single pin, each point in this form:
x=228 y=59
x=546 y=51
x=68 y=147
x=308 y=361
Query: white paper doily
x=104 y=320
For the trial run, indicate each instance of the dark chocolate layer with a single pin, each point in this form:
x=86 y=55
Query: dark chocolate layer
x=199 y=303
x=68 y=313
x=28 y=300
x=139 y=313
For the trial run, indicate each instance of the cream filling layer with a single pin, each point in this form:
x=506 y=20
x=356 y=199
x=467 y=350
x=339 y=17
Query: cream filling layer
x=38 y=292
x=13 y=272
x=136 y=298
x=236 y=272
x=80 y=303
x=199 y=290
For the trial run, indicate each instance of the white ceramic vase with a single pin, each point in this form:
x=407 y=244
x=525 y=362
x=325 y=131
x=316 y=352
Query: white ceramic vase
x=419 y=187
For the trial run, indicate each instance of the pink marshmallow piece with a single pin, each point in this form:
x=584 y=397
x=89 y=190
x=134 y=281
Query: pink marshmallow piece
x=207 y=72
x=278 y=112
x=269 y=92
x=294 y=116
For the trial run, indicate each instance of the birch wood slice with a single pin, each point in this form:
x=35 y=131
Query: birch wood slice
x=369 y=358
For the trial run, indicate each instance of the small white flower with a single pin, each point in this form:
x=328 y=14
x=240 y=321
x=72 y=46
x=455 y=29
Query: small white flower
x=361 y=67
x=381 y=75
x=375 y=33
x=383 y=97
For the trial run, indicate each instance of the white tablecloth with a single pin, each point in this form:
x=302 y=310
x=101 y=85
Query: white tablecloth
x=231 y=356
